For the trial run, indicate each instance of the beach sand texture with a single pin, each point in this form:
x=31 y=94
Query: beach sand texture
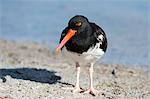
x=29 y=70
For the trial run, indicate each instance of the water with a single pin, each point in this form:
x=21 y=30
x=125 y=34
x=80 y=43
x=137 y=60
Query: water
x=125 y=22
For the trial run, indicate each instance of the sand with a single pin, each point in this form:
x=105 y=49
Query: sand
x=29 y=70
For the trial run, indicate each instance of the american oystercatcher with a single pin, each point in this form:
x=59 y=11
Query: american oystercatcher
x=87 y=42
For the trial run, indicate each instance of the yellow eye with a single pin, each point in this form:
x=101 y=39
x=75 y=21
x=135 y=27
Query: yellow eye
x=78 y=24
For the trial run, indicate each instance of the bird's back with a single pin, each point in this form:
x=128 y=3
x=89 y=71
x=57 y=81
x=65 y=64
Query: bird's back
x=100 y=36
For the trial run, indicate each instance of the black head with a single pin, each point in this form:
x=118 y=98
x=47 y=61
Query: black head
x=78 y=35
x=78 y=23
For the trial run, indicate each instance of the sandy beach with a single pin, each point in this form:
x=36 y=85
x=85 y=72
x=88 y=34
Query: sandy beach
x=29 y=70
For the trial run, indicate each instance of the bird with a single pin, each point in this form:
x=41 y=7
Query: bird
x=87 y=42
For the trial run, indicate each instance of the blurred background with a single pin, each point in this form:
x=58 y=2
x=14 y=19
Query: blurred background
x=126 y=23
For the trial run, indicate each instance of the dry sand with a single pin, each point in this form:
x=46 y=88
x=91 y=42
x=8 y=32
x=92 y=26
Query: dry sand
x=29 y=71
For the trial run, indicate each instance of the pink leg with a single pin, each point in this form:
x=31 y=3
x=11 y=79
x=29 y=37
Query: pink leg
x=77 y=87
x=91 y=90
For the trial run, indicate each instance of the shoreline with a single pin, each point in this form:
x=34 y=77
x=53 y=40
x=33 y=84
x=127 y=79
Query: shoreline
x=27 y=68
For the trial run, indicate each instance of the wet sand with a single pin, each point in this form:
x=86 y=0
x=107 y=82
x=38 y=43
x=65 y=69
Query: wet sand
x=29 y=70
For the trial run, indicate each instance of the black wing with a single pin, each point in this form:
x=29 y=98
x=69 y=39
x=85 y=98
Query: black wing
x=100 y=36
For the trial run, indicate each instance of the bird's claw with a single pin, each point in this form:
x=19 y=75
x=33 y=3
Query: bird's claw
x=77 y=89
x=92 y=91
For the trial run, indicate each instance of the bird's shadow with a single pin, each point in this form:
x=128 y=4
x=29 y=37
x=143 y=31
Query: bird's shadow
x=32 y=74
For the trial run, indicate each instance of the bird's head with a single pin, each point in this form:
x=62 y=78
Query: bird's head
x=77 y=24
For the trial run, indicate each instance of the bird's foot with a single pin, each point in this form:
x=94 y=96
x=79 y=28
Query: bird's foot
x=92 y=91
x=77 y=89
x=74 y=89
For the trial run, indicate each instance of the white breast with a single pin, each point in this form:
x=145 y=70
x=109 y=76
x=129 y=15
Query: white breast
x=92 y=55
x=94 y=52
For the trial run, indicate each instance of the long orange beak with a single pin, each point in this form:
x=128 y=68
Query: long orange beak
x=66 y=38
